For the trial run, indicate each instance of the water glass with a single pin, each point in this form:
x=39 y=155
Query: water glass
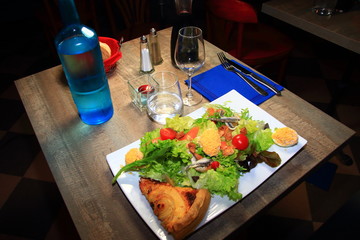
x=324 y=7
x=165 y=101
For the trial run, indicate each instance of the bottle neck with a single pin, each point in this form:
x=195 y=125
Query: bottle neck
x=68 y=12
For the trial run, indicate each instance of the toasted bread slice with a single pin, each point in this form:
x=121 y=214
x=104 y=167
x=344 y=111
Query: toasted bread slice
x=105 y=51
x=285 y=137
x=180 y=209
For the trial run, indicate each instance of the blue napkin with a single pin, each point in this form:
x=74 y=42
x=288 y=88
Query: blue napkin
x=218 y=81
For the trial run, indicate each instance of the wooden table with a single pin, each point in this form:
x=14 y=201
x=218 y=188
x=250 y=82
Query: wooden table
x=342 y=29
x=76 y=152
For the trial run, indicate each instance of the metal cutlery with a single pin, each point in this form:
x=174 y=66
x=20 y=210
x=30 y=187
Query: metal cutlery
x=252 y=75
x=231 y=68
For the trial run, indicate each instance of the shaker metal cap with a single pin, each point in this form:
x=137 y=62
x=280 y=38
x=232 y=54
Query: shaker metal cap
x=153 y=31
x=143 y=39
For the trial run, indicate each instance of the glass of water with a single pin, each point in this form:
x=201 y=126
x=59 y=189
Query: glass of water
x=165 y=101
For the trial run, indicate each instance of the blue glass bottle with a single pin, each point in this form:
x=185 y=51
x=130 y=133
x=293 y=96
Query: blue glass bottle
x=80 y=55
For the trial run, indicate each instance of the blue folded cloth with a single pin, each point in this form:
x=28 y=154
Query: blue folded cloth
x=218 y=81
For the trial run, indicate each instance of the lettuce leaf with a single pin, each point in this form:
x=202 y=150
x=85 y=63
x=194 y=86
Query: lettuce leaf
x=262 y=139
x=171 y=162
x=147 y=161
x=179 y=123
x=147 y=139
x=222 y=182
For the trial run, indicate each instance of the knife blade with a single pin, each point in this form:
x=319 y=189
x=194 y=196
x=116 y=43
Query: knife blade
x=254 y=76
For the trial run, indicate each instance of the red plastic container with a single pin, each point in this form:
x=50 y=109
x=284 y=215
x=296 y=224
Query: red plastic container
x=110 y=63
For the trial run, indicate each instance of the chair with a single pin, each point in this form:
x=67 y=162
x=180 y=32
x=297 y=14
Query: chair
x=233 y=26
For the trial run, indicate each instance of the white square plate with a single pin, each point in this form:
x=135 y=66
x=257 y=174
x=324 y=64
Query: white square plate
x=129 y=182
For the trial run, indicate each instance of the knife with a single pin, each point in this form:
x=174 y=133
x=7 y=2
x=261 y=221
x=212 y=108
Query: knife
x=253 y=76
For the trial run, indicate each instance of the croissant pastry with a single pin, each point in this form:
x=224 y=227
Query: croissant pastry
x=180 y=209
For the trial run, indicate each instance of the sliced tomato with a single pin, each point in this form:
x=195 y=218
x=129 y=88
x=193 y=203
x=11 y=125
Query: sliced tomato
x=167 y=133
x=155 y=140
x=211 y=111
x=191 y=134
x=240 y=141
x=223 y=145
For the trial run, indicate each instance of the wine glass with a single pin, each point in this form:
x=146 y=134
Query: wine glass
x=190 y=57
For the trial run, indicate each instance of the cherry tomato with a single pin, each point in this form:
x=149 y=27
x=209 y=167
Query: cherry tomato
x=167 y=133
x=214 y=165
x=240 y=141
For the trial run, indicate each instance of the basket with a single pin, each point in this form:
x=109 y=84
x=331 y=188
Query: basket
x=110 y=63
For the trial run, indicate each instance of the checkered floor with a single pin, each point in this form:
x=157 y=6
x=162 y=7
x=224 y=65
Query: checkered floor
x=31 y=206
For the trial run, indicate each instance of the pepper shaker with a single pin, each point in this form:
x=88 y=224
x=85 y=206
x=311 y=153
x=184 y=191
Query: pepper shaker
x=155 y=51
x=145 y=60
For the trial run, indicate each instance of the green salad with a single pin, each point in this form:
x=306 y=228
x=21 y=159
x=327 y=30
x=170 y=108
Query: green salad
x=210 y=152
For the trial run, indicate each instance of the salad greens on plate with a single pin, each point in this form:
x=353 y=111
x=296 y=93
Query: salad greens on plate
x=210 y=152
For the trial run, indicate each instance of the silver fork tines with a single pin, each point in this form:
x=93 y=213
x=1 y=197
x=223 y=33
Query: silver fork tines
x=230 y=68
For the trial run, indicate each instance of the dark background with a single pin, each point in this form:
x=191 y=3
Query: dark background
x=29 y=27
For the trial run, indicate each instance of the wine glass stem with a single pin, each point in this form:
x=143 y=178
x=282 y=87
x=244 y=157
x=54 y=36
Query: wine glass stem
x=189 y=93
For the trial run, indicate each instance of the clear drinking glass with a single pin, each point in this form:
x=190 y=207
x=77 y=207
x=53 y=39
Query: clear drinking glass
x=190 y=57
x=165 y=101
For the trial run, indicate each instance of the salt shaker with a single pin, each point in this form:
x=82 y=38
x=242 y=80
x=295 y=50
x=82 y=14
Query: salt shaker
x=155 y=52
x=145 y=60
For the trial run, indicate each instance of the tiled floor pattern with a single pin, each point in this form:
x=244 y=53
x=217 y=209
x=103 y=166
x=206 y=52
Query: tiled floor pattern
x=31 y=206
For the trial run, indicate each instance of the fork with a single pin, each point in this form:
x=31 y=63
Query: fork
x=230 y=68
